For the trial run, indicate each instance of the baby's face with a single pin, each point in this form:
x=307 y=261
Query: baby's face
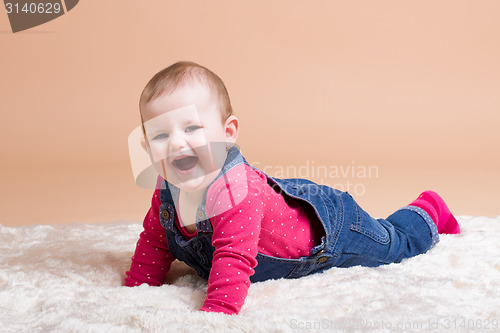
x=186 y=137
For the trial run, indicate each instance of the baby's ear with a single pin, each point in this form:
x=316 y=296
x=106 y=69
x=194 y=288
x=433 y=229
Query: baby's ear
x=232 y=126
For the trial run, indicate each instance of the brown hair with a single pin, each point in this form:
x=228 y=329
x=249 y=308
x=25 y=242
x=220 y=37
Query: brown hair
x=169 y=79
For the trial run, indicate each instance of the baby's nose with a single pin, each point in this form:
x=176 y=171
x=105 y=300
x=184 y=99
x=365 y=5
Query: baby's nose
x=177 y=142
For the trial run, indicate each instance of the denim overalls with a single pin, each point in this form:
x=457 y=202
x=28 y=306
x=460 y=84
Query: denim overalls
x=351 y=237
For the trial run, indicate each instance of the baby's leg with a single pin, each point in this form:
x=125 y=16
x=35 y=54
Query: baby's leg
x=364 y=240
x=355 y=238
x=435 y=206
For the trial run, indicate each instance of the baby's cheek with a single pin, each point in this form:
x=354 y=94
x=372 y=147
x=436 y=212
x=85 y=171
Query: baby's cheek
x=158 y=152
x=198 y=139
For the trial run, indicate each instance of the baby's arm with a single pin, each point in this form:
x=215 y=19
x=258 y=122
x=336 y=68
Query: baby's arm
x=236 y=230
x=233 y=260
x=151 y=260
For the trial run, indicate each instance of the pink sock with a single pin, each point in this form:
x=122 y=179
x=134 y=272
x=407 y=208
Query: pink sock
x=434 y=205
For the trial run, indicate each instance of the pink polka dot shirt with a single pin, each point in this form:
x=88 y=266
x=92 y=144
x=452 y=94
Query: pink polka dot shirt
x=247 y=217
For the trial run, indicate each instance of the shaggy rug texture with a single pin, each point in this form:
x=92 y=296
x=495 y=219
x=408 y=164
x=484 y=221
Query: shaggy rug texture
x=68 y=278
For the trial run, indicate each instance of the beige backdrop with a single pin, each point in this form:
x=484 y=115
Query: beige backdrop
x=406 y=94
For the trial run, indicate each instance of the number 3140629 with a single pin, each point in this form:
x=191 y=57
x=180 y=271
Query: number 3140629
x=33 y=8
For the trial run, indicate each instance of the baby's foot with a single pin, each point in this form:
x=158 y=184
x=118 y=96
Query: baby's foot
x=435 y=206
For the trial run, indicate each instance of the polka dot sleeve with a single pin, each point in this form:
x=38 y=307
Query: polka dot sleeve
x=151 y=260
x=236 y=226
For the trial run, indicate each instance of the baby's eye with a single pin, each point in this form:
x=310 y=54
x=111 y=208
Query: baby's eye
x=160 y=136
x=192 y=128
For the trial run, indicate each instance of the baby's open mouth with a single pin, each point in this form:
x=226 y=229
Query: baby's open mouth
x=185 y=163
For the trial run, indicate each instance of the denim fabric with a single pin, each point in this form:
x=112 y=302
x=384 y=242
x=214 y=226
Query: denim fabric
x=352 y=237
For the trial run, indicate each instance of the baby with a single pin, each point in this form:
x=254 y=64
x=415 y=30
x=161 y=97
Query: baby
x=233 y=223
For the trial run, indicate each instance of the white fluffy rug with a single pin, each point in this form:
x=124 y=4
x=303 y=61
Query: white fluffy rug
x=67 y=278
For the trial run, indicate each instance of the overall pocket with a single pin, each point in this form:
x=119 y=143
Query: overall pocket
x=370 y=227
